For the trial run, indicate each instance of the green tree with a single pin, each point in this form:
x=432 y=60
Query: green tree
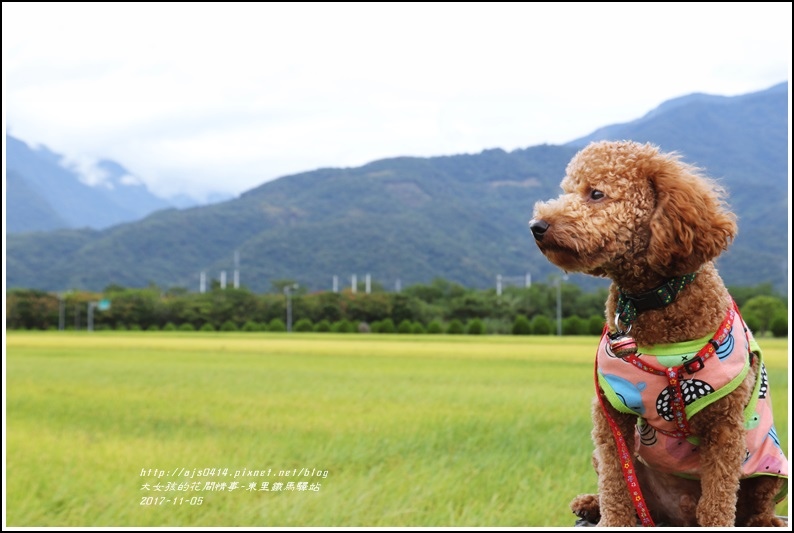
x=741 y=295
x=779 y=324
x=328 y=307
x=574 y=325
x=541 y=325
x=438 y=290
x=251 y=325
x=475 y=327
x=229 y=325
x=362 y=307
x=455 y=327
x=386 y=326
x=405 y=327
x=763 y=309
x=595 y=325
x=470 y=305
x=31 y=309
x=304 y=324
x=277 y=325
x=342 y=326
x=402 y=308
x=522 y=326
x=323 y=326
x=753 y=322
x=434 y=327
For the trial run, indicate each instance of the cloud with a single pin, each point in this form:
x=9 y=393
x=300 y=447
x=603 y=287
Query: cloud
x=129 y=179
x=221 y=97
x=86 y=169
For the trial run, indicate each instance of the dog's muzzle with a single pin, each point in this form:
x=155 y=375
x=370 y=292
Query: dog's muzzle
x=538 y=228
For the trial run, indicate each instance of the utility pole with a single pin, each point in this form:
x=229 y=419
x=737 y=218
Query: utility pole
x=288 y=293
x=559 y=303
x=91 y=307
x=61 y=312
x=559 y=307
x=236 y=269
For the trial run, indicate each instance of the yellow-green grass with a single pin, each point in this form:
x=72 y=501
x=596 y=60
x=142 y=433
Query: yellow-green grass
x=412 y=430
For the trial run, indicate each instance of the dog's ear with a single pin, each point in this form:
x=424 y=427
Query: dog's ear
x=691 y=223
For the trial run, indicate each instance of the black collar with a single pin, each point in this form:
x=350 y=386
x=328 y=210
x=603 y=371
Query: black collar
x=629 y=305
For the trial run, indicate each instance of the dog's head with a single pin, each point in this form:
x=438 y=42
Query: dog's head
x=627 y=209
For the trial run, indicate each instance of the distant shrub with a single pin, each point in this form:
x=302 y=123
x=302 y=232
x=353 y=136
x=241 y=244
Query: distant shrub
x=434 y=327
x=521 y=326
x=541 y=325
x=276 y=325
x=418 y=329
x=207 y=327
x=595 y=326
x=251 y=325
x=304 y=324
x=169 y=326
x=475 y=327
x=153 y=327
x=455 y=327
x=497 y=326
x=322 y=326
x=779 y=325
x=406 y=326
x=229 y=326
x=342 y=326
x=386 y=326
x=135 y=327
x=752 y=321
x=574 y=325
x=187 y=326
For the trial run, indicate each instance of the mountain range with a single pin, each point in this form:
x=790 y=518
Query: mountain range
x=46 y=193
x=408 y=219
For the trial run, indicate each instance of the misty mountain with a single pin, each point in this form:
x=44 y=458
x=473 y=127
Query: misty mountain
x=460 y=217
x=45 y=194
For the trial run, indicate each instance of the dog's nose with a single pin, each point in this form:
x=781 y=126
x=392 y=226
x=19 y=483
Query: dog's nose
x=538 y=228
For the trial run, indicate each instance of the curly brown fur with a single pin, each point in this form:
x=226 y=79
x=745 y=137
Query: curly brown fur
x=638 y=216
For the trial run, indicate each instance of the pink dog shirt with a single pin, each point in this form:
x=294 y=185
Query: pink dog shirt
x=661 y=379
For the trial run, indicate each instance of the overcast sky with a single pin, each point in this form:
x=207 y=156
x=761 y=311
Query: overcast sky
x=194 y=98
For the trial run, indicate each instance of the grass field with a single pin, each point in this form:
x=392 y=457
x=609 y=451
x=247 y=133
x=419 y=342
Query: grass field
x=373 y=430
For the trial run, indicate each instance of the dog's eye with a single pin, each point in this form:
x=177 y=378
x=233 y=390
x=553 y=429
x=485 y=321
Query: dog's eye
x=595 y=194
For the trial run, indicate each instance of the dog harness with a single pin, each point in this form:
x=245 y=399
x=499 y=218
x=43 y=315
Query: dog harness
x=665 y=385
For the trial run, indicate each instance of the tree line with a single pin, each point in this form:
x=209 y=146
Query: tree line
x=440 y=306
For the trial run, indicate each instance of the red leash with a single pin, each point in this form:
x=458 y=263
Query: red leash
x=626 y=464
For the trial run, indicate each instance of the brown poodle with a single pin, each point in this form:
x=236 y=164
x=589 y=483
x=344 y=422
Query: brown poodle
x=682 y=423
